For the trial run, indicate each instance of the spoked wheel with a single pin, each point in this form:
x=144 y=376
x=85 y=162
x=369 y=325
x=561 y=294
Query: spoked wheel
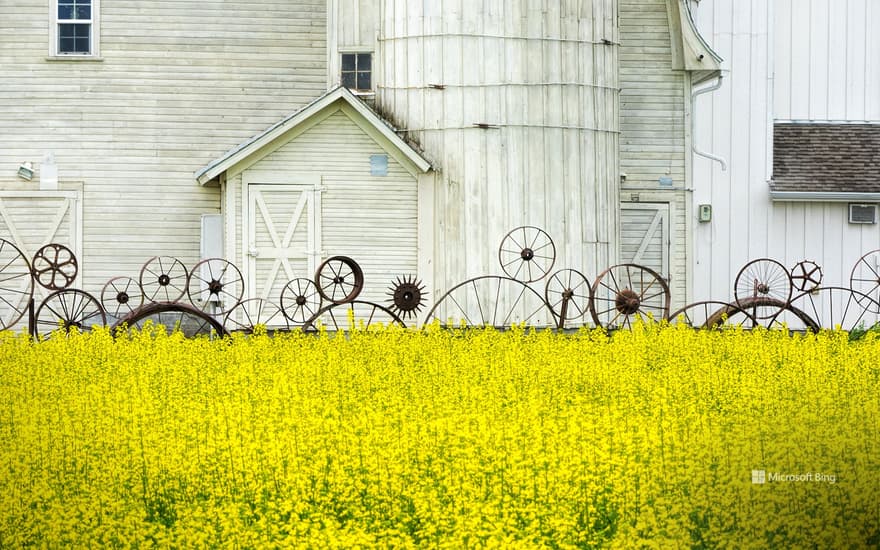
x=741 y=313
x=702 y=315
x=68 y=309
x=163 y=279
x=763 y=283
x=493 y=301
x=339 y=279
x=865 y=279
x=300 y=300
x=527 y=254
x=55 y=267
x=250 y=314
x=625 y=292
x=171 y=317
x=16 y=284
x=121 y=296
x=567 y=293
x=834 y=307
x=806 y=276
x=215 y=283
x=356 y=315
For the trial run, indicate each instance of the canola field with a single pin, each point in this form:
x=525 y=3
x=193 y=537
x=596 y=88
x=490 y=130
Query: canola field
x=658 y=437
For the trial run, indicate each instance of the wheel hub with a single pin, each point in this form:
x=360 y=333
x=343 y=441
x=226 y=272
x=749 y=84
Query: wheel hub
x=338 y=280
x=527 y=254
x=164 y=280
x=122 y=298
x=763 y=288
x=627 y=301
x=215 y=286
x=300 y=300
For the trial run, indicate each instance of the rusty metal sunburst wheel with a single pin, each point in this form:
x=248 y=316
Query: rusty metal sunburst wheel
x=339 y=279
x=54 y=267
x=627 y=291
x=766 y=279
x=527 y=254
x=406 y=296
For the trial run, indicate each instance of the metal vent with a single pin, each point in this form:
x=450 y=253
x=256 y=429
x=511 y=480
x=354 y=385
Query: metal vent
x=862 y=213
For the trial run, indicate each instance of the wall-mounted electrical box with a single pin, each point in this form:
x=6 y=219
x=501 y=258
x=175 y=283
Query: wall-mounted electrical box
x=705 y=213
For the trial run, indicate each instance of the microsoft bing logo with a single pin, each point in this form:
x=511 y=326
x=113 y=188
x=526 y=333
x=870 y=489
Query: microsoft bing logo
x=759 y=476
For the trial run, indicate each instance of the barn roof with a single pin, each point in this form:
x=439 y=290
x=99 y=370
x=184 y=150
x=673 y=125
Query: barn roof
x=826 y=159
x=334 y=99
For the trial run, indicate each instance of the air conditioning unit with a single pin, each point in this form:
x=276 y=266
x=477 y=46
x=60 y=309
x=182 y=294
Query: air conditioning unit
x=862 y=213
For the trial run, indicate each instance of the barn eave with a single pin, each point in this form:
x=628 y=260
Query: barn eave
x=690 y=51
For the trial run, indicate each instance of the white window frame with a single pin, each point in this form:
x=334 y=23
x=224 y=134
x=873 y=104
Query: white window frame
x=357 y=52
x=94 y=23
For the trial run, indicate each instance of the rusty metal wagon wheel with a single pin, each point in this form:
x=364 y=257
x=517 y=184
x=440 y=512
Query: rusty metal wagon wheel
x=120 y=296
x=68 y=309
x=250 y=314
x=171 y=317
x=806 y=276
x=491 y=300
x=741 y=312
x=406 y=296
x=834 y=307
x=527 y=254
x=625 y=292
x=16 y=284
x=568 y=293
x=339 y=279
x=54 y=267
x=763 y=278
x=215 y=283
x=163 y=279
x=865 y=279
x=300 y=300
x=354 y=315
x=702 y=315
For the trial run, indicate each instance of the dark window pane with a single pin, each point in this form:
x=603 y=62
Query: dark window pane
x=84 y=12
x=81 y=45
x=348 y=61
x=348 y=80
x=65 y=12
x=365 y=61
x=66 y=45
x=73 y=38
x=363 y=81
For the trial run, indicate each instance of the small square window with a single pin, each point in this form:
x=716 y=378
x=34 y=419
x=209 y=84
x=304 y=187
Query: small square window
x=74 y=28
x=357 y=71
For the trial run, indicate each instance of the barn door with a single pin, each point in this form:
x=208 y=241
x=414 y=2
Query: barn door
x=283 y=237
x=644 y=235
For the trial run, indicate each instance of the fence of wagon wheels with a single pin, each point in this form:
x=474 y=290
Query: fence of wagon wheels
x=210 y=298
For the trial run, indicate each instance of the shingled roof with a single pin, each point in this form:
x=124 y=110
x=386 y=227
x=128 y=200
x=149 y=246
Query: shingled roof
x=826 y=158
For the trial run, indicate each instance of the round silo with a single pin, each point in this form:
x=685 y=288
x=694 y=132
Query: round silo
x=516 y=104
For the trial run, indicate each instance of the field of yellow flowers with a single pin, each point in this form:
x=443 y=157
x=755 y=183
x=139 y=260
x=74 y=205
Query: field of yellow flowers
x=655 y=437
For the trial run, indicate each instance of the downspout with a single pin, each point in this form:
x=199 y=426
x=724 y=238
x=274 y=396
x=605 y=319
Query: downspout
x=697 y=151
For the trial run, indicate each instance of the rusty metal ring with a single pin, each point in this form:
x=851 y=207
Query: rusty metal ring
x=53 y=262
x=172 y=316
x=527 y=254
x=710 y=314
x=339 y=279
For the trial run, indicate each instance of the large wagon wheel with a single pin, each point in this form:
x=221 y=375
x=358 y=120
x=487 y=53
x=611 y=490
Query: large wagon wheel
x=16 y=284
x=626 y=291
x=567 y=293
x=763 y=278
x=120 y=296
x=527 y=254
x=865 y=279
x=54 y=267
x=743 y=309
x=217 y=282
x=300 y=300
x=835 y=307
x=353 y=315
x=491 y=300
x=246 y=316
x=68 y=309
x=702 y=315
x=171 y=317
x=163 y=279
x=339 y=279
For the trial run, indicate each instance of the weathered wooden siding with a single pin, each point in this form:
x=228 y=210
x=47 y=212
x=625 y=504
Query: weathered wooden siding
x=653 y=126
x=543 y=77
x=179 y=83
x=352 y=25
x=736 y=122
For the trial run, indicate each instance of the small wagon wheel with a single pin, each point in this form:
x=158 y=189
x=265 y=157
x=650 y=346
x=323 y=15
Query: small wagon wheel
x=702 y=315
x=120 y=296
x=171 y=317
x=16 y=284
x=300 y=300
x=527 y=254
x=68 y=309
x=339 y=279
x=806 y=276
x=624 y=291
x=353 y=315
x=568 y=295
x=163 y=279
x=762 y=303
x=406 y=296
x=246 y=316
x=54 y=267
x=491 y=300
x=865 y=279
x=763 y=278
x=215 y=281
